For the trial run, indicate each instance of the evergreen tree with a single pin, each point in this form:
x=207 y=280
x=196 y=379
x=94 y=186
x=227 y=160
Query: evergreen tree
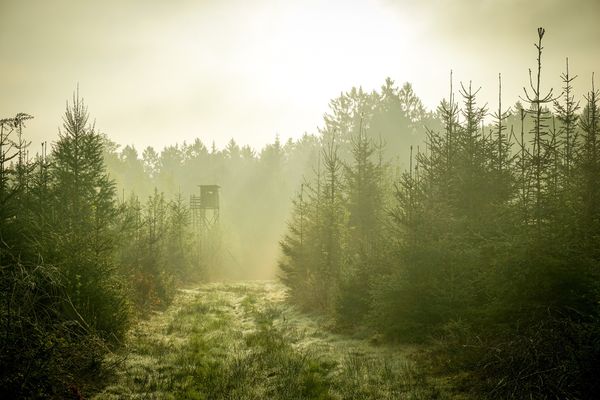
x=363 y=247
x=84 y=211
x=590 y=172
x=541 y=146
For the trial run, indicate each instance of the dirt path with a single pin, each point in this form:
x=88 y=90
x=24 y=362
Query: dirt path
x=242 y=341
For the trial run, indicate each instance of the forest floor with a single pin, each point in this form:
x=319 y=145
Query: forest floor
x=243 y=341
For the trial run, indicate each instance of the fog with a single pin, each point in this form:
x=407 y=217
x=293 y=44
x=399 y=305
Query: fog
x=299 y=200
x=157 y=73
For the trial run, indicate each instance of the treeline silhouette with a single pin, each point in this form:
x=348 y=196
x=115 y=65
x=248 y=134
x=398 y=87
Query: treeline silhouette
x=256 y=186
x=255 y=191
x=486 y=247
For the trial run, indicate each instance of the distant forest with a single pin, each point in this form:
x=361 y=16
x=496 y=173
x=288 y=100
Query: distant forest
x=474 y=231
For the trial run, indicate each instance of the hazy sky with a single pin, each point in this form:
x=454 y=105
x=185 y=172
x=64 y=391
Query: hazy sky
x=159 y=72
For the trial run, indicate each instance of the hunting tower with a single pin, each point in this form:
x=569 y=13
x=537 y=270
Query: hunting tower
x=205 y=208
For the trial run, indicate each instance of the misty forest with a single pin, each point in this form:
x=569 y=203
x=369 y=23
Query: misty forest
x=398 y=251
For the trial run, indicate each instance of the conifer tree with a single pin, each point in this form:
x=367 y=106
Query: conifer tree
x=84 y=211
x=301 y=254
x=364 y=242
x=331 y=221
x=541 y=146
x=590 y=168
x=568 y=117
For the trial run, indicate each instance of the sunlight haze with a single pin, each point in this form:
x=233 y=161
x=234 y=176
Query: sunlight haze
x=156 y=73
x=284 y=200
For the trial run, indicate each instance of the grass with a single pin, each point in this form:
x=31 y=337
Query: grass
x=242 y=341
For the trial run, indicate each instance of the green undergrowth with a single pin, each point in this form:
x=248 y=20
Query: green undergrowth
x=242 y=341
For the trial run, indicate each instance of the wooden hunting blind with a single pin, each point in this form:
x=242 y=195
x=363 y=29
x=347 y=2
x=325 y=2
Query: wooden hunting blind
x=205 y=207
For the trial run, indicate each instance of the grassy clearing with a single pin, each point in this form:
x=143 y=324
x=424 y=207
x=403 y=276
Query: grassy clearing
x=242 y=341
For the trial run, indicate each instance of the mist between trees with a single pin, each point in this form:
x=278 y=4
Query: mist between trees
x=478 y=239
